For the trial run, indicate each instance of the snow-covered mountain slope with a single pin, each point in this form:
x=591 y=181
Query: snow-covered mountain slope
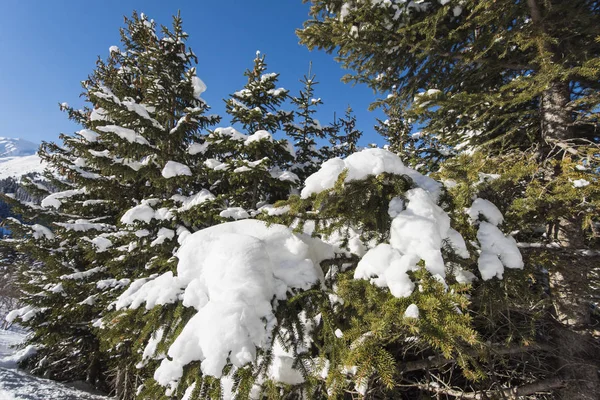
x=10 y=147
x=18 y=385
x=16 y=167
x=18 y=157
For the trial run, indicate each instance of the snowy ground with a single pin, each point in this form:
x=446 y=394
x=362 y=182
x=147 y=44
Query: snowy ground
x=18 y=385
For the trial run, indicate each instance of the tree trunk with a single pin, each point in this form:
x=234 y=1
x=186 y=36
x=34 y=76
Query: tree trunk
x=577 y=350
x=556 y=118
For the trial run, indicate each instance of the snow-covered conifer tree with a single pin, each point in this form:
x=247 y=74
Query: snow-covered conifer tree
x=125 y=193
x=344 y=136
x=509 y=92
x=250 y=168
x=305 y=130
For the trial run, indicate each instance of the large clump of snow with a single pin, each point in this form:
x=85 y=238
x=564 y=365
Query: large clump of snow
x=233 y=274
x=497 y=251
x=420 y=228
x=417 y=233
x=362 y=164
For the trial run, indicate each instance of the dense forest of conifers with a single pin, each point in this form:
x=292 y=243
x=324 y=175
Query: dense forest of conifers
x=174 y=258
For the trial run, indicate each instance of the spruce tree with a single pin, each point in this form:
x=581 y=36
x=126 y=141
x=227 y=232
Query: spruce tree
x=345 y=136
x=227 y=175
x=305 y=131
x=126 y=173
x=251 y=167
x=514 y=84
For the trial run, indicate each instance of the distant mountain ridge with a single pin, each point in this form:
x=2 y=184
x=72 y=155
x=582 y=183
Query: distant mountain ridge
x=18 y=157
x=12 y=147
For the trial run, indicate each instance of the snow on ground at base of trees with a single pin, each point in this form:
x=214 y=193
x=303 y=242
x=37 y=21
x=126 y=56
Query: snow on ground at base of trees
x=230 y=273
x=19 y=385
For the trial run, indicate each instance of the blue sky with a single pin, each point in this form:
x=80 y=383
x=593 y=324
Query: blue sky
x=48 y=47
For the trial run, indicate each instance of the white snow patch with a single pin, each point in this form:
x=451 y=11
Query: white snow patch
x=230 y=273
x=199 y=87
x=173 y=168
x=124 y=133
x=362 y=164
x=497 y=251
x=234 y=213
x=54 y=200
x=412 y=311
x=258 y=136
x=580 y=183
x=487 y=209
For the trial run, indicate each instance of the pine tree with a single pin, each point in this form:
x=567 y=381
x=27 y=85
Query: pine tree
x=306 y=130
x=416 y=150
x=345 y=136
x=125 y=173
x=251 y=167
x=233 y=174
x=514 y=84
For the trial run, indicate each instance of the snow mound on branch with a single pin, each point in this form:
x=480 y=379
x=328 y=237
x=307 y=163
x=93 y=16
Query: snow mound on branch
x=199 y=87
x=418 y=233
x=231 y=133
x=234 y=213
x=385 y=266
x=54 y=200
x=420 y=229
x=173 y=168
x=412 y=311
x=230 y=273
x=124 y=133
x=580 y=183
x=258 y=136
x=188 y=202
x=487 y=209
x=145 y=213
x=497 y=251
x=362 y=164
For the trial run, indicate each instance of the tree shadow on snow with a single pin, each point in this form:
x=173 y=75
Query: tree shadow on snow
x=26 y=387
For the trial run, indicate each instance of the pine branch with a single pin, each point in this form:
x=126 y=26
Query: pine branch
x=438 y=361
x=509 y=393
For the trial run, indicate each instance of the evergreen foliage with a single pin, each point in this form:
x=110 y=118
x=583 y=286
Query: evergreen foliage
x=305 y=130
x=344 y=136
x=145 y=112
x=391 y=285
x=508 y=93
x=250 y=168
